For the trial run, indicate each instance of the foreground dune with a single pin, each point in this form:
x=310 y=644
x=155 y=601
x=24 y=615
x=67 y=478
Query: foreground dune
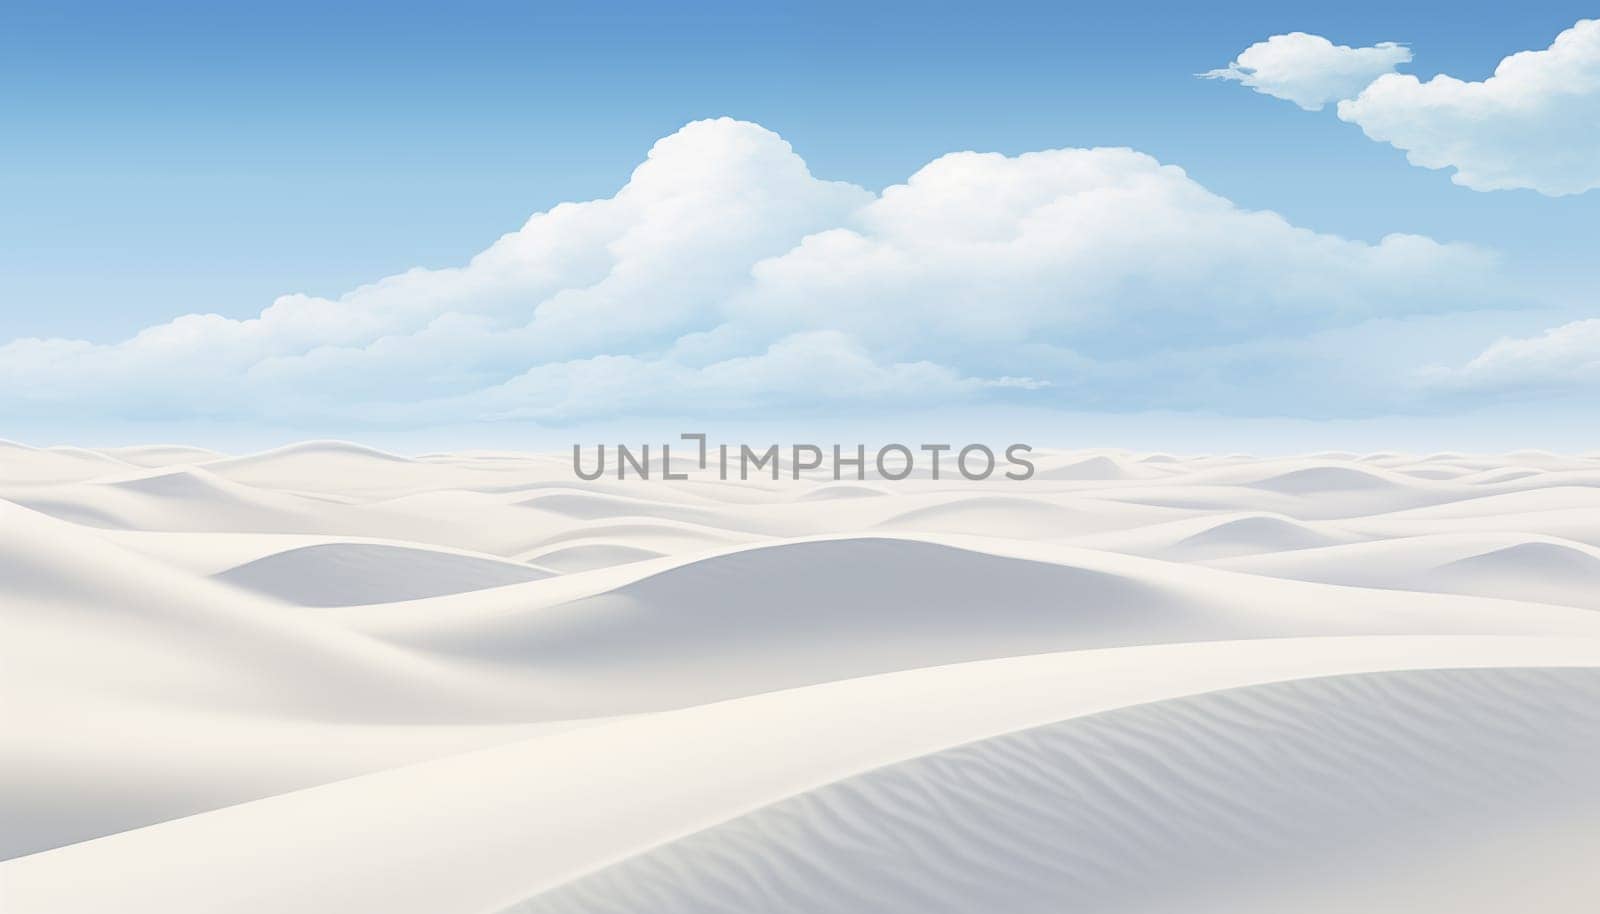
x=523 y=819
x=1226 y=801
x=330 y=678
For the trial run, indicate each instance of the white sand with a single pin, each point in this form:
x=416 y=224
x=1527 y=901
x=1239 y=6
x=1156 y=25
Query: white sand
x=332 y=679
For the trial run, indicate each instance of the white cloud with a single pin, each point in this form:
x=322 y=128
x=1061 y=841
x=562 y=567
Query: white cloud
x=1534 y=124
x=1310 y=70
x=1560 y=360
x=1103 y=249
x=724 y=277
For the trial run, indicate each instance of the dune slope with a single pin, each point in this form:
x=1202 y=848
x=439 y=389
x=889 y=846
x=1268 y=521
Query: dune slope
x=515 y=822
x=1227 y=801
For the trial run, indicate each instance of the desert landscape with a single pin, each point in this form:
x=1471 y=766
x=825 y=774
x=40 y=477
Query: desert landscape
x=476 y=459
x=327 y=678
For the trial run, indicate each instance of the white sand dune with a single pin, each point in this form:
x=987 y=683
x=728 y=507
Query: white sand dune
x=128 y=675
x=1326 y=479
x=1014 y=516
x=163 y=455
x=352 y=574
x=1567 y=565
x=1577 y=524
x=663 y=536
x=1501 y=474
x=307 y=464
x=183 y=499
x=1552 y=497
x=589 y=506
x=512 y=824
x=1143 y=808
x=1513 y=566
x=1216 y=537
x=21 y=464
x=645 y=637
x=1300 y=488
x=590 y=555
x=329 y=678
x=1102 y=467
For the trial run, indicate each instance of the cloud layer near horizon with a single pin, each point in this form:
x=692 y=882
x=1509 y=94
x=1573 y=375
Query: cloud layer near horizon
x=1561 y=360
x=724 y=279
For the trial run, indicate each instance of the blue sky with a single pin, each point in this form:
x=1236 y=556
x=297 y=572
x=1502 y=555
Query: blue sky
x=163 y=159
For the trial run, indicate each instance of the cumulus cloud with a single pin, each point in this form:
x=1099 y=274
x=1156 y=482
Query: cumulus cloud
x=1310 y=70
x=1563 y=359
x=725 y=277
x=1534 y=124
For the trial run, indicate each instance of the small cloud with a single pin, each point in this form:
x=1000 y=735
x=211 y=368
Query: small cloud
x=1310 y=70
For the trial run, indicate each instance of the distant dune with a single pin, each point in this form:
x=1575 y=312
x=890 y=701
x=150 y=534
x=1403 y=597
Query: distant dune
x=350 y=574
